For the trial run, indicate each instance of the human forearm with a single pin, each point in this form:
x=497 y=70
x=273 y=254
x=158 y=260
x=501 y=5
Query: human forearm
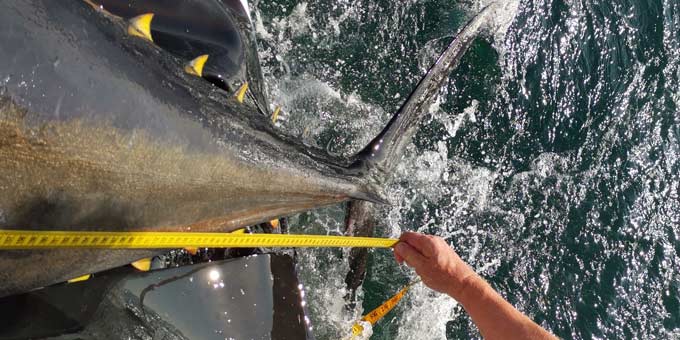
x=442 y=269
x=493 y=315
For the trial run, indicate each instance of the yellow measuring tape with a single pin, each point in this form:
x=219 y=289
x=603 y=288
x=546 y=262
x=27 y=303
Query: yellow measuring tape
x=24 y=239
x=381 y=311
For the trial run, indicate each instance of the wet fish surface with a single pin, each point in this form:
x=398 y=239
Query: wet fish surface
x=99 y=130
x=103 y=131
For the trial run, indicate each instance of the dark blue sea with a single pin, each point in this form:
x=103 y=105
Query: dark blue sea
x=549 y=160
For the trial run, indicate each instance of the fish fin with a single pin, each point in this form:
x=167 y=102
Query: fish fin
x=140 y=26
x=371 y=194
x=191 y=250
x=360 y=220
x=195 y=67
x=380 y=156
x=241 y=93
x=80 y=278
x=382 y=153
x=143 y=264
x=275 y=115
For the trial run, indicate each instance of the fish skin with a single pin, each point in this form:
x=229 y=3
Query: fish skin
x=144 y=147
x=102 y=131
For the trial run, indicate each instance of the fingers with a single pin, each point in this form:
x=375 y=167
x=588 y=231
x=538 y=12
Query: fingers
x=397 y=257
x=409 y=254
x=423 y=243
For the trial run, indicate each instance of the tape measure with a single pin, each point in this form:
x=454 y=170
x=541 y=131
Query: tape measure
x=382 y=310
x=23 y=239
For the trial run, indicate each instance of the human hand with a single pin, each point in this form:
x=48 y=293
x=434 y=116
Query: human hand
x=435 y=262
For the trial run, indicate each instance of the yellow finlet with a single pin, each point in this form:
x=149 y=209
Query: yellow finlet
x=275 y=115
x=80 y=278
x=143 y=264
x=195 y=67
x=241 y=93
x=275 y=223
x=140 y=26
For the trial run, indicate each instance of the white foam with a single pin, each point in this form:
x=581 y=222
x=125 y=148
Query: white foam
x=260 y=30
x=452 y=126
x=366 y=332
x=296 y=23
x=501 y=19
x=425 y=314
x=317 y=106
x=425 y=179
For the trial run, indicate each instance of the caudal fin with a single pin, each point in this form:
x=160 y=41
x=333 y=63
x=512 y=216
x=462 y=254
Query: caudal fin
x=379 y=157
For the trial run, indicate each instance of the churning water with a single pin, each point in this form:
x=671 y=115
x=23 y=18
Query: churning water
x=549 y=162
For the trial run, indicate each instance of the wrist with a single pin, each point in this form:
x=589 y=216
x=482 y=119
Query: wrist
x=470 y=288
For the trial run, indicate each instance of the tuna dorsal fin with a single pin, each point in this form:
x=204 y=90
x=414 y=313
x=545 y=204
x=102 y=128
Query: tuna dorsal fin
x=379 y=157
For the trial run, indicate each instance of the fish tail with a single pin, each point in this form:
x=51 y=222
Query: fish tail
x=378 y=159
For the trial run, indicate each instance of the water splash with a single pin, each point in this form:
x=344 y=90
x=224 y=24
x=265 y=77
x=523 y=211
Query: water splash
x=550 y=162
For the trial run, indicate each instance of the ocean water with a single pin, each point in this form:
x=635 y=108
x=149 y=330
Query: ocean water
x=549 y=161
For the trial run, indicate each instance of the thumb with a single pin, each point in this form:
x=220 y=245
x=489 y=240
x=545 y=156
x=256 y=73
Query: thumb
x=409 y=254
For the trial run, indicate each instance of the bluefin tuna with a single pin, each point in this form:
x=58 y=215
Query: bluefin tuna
x=102 y=129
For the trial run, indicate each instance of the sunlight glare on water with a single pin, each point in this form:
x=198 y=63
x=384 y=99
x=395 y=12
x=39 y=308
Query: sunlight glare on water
x=549 y=161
